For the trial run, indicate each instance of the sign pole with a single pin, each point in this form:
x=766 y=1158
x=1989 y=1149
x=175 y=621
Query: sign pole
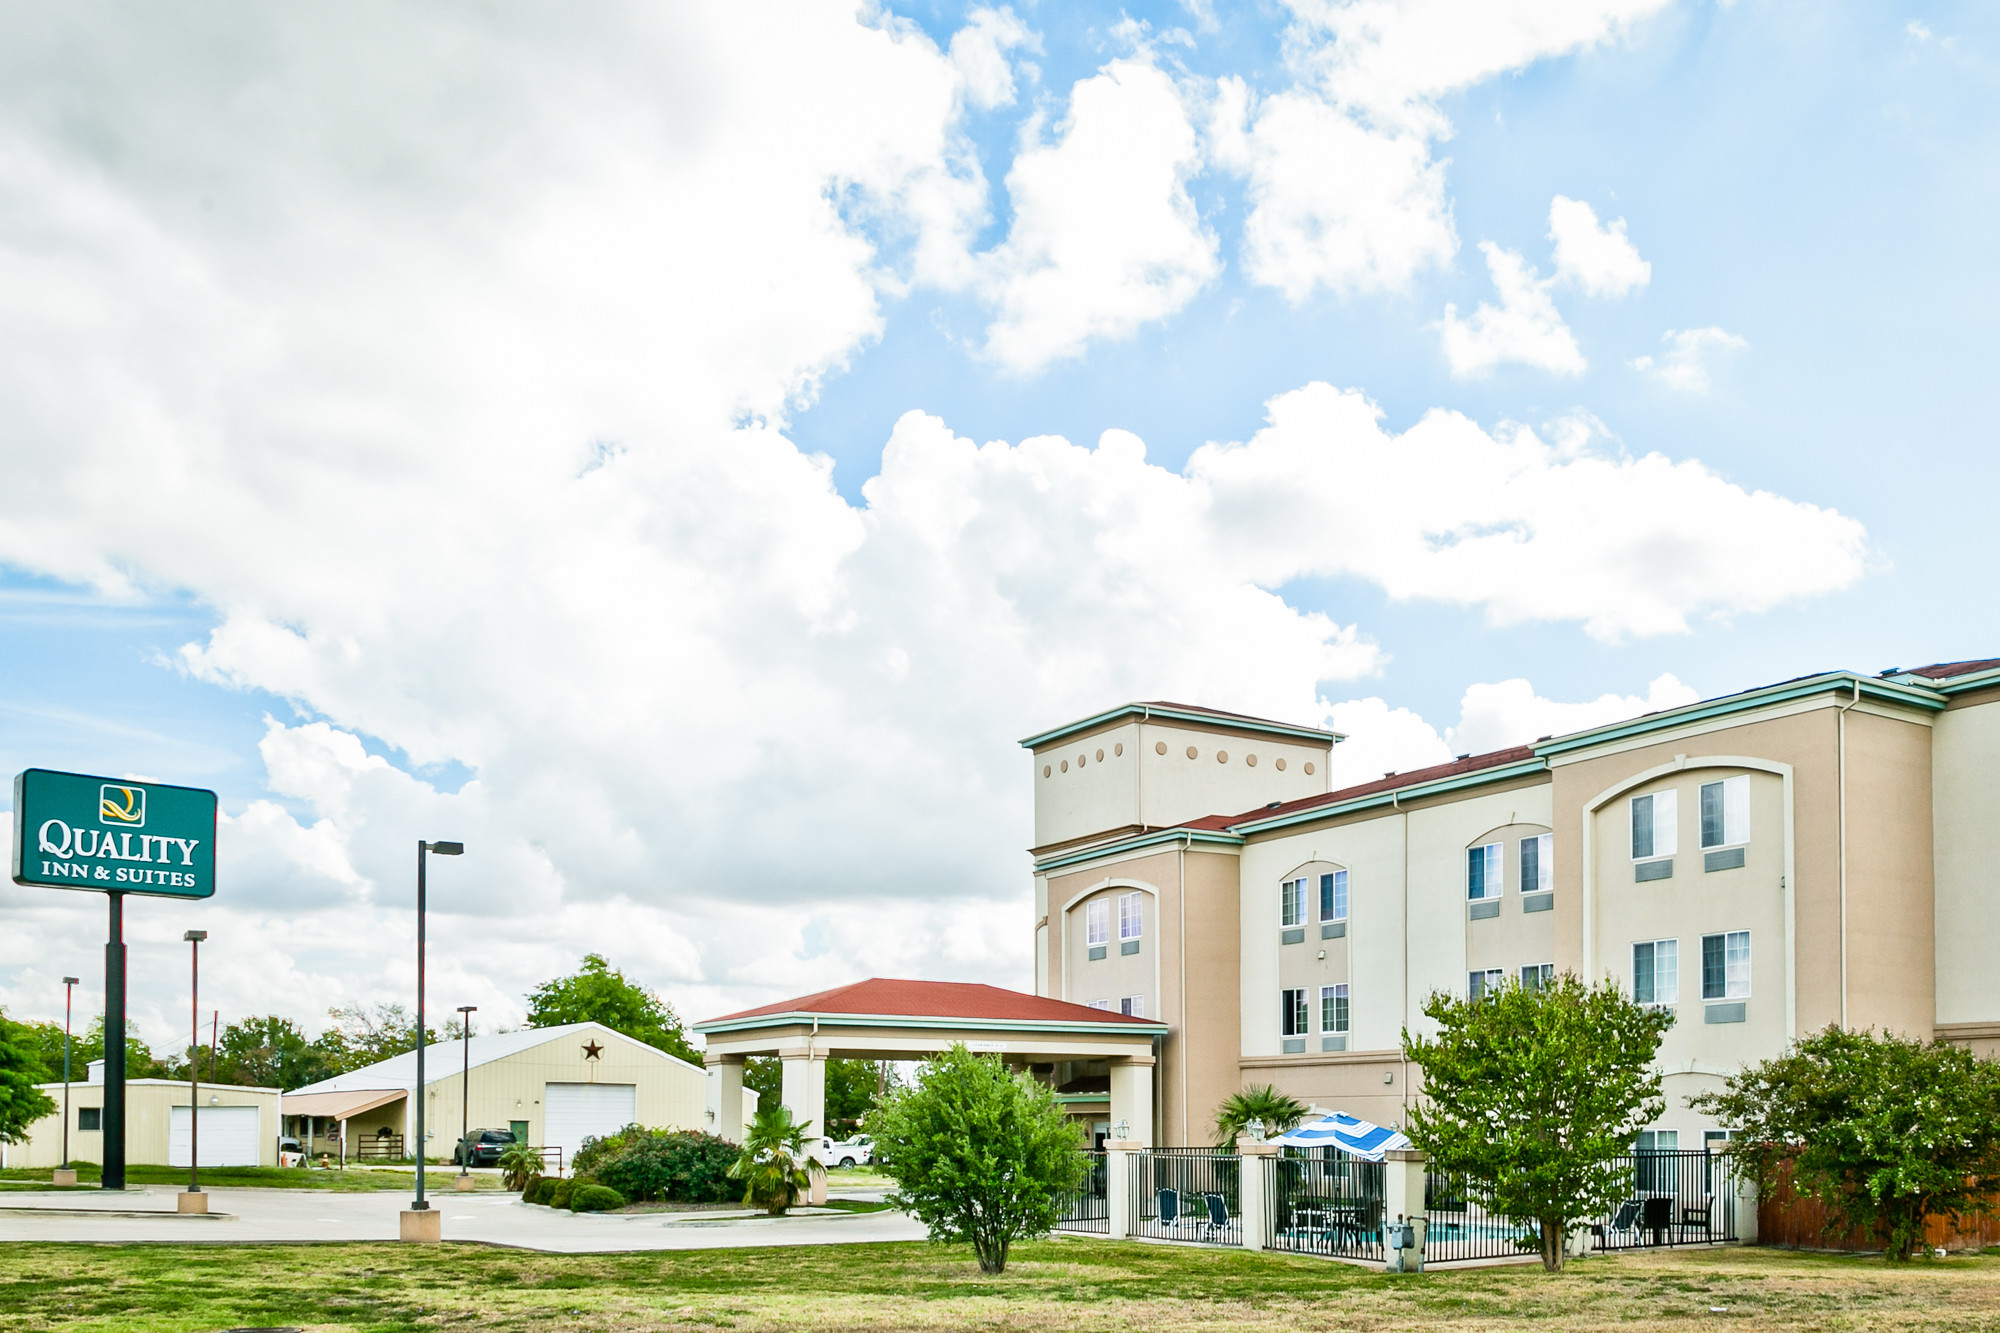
x=114 y=1047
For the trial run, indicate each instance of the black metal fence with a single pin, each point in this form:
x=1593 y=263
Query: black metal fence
x=1457 y=1227
x=1191 y=1194
x=1670 y=1197
x=1088 y=1207
x=1322 y=1201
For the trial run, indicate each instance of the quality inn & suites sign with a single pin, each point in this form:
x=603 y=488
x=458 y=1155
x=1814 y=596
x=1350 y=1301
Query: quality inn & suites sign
x=113 y=835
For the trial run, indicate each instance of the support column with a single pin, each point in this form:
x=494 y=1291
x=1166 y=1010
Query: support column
x=1403 y=1201
x=1118 y=1167
x=1132 y=1097
x=725 y=1096
x=1747 y=1230
x=804 y=1088
x=1251 y=1191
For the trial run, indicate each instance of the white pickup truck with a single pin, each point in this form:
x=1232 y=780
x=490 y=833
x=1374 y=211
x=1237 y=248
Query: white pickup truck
x=857 y=1151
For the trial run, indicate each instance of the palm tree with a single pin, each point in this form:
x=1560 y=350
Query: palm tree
x=1278 y=1112
x=772 y=1165
x=519 y=1164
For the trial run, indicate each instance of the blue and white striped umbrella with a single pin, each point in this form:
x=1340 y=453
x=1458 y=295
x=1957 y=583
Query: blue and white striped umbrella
x=1348 y=1133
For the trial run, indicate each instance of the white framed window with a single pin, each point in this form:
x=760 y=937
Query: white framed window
x=1131 y=915
x=1097 y=921
x=1293 y=1005
x=1132 y=1006
x=1292 y=903
x=1656 y=975
x=1725 y=966
x=1537 y=975
x=1482 y=872
x=1100 y=1004
x=1659 y=1140
x=1725 y=812
x=1478 y=985
x=1333 y=896
x=1655 y=820
x=1333 y=1008
x=1538 y=871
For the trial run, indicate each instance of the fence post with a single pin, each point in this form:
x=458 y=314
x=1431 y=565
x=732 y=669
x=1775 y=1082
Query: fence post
x=1252 y=1177
x=1403 y=1188
x=1118 y=1156
x=1745 y=1203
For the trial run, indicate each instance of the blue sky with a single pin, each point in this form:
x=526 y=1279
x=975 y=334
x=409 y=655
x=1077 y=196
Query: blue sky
x=307 y=409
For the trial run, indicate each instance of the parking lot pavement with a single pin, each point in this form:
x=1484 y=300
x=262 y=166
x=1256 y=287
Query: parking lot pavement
x=253 y=1216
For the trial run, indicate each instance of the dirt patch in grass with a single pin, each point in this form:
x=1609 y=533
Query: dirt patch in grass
x=1065 y=1286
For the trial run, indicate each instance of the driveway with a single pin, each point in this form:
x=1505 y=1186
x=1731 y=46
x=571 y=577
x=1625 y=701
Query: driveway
x=255 y=1216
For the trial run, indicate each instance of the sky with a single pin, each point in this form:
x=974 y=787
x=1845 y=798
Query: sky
x=680 y=450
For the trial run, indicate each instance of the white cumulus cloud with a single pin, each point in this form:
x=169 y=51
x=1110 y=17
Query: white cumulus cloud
x=1525 y=328
x=1684 y=365
x=1599 y=260
x=980 y=51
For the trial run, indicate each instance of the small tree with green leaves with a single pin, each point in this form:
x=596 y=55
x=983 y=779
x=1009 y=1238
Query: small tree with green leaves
x=1278 y=1112
x=773 y=1163
x=21 y=1102
x=978 y=1153
x=1884 y=1131
x=1532 y=1095
x=599 y=993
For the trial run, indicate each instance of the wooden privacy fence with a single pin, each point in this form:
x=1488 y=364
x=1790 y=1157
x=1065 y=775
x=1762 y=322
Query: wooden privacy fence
x=1794 y=1222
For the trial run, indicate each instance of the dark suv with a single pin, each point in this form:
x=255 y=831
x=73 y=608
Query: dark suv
x=487 y=1145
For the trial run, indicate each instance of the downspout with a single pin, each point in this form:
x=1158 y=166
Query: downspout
x=1187 y=840
x=1840 y=749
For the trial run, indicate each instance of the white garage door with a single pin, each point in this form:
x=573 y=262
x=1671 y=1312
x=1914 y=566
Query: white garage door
x=573 y=1111
x=229 y=1136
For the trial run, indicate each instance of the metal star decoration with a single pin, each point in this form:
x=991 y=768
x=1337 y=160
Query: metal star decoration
x=592 y=1050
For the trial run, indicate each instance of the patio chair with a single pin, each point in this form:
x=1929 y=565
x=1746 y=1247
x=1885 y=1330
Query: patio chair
x=1170 y=1209
x=1699 y=1215
x=1218 y=1216
x=1625 y=1219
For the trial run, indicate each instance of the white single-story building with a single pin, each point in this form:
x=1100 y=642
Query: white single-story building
x=239 y=1126
x=553 y=1087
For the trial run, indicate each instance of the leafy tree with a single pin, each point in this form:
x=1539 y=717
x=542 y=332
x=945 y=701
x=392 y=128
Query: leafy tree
x=139 y=1060
x=772 y=1163
x=21 y=1102
x=362 y=1035
x=978 y=1153
x=1278 y=1112
x=1532 y=1096
x=597 y=993
x=43 y=1041
x=1884 y=1131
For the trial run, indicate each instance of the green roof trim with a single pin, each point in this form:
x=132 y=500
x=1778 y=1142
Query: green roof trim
x=1167 y=712
x=825 y=1020
x=1910 y=696
x=1137 y=842
x=1078 y=1098
x=1394 y=796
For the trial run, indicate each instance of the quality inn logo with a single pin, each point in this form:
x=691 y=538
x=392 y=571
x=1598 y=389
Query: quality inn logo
x=124 y=806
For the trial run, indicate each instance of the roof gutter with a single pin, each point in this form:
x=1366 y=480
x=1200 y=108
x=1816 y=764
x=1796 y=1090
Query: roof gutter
x=1909 y=696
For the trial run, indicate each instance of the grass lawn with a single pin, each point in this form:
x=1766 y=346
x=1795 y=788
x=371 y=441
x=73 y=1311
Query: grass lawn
x=1067 y=1285
x=357 y=1180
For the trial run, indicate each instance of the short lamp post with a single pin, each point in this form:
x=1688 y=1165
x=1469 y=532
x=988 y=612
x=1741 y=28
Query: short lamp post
x=1256 y=1128
x=420 y=1226
x=68 y=1176
x=465 y=1013
x=194 y=939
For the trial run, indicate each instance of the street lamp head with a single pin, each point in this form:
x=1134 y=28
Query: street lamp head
x=195 y=936
x=447 y=849
x=72 y=981
x=468 y=1008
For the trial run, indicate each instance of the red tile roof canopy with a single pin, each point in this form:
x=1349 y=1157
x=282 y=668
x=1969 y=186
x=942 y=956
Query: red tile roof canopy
x=891 y=997
x=1946 y=670
x=1393 y=782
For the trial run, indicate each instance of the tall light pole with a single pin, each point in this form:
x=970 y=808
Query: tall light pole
x=442 y=849
x=194 y=939
x=465 y=1013
x=69 y=992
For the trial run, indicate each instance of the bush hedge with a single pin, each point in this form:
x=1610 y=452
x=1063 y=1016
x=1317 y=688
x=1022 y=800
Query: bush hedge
x=589 y=1198
x=559 y=1196
x=679 y=1166
x=539 y=1189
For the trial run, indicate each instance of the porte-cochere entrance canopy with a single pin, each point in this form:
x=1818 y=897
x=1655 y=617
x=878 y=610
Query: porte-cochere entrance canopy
x=887 y=1019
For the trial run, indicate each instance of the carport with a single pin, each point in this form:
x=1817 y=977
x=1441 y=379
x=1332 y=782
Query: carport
x=322 y=1119
x=888 y=1019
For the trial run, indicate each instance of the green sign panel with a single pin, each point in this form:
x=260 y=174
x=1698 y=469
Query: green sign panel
x=112 y=835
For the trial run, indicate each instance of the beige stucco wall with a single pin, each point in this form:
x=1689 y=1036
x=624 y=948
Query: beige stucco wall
x=1891 y=923
x=1965 y=766
x=149 y=1107
x=1516 y=938
x=1118 y=777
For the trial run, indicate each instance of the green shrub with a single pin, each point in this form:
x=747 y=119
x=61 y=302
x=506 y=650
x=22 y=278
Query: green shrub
x=595 y=1152
x=684 y=1166
x=540 y=1190
x=559 y=1196
x=589 y=1198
